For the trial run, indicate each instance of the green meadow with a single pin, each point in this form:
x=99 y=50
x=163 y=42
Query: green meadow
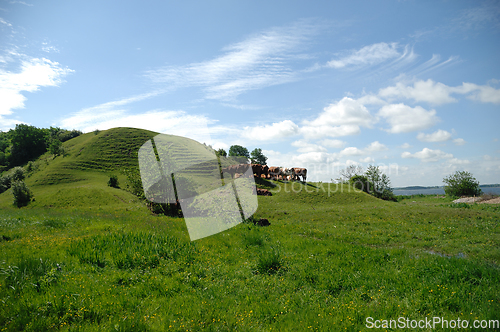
x=87 y=257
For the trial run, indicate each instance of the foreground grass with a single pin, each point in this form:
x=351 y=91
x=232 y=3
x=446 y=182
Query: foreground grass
x=328 y=261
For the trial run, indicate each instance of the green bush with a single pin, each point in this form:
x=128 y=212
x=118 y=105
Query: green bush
x=5 y=182
x=361 y=182
x=55 y=147
x=22 y=194
x=18 y=174
x=113 y=181
x=461 y=183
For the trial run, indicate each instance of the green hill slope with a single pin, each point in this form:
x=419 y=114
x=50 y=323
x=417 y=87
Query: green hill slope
x=79 y=178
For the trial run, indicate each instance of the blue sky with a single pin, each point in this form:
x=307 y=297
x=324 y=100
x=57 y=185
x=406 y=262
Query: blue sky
x=410 y=86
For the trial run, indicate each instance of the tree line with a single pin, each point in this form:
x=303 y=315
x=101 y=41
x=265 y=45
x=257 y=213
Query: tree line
x=26 y=143
x=255 y=157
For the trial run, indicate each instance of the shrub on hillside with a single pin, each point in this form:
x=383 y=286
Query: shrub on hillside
x=5 y=182
x=55 y=147
x=22 y=194
x=113 y=181
x=461 y=183
x=18 y=174
x=67 y=135
x=361 y=182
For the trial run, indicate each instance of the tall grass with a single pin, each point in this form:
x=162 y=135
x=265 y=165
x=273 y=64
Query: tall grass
x=326 y=262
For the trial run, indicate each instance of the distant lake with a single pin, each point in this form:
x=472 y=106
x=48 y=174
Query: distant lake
x=440 y=191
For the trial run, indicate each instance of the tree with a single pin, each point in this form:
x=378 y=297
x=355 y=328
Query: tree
x=257 y=157
x=381 y=183
x=361 y=182
x=113 y=181
x=238 y=151
x=55 y=147
x=350 y=171
x=28 y=142
x=461 y=183
x=22 y=194
x=221 y=153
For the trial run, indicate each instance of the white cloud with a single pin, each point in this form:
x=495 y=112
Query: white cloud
x=456 y=161
x=405 y=146
x=375 y=146
x=428 y=155
x=338 y=119
x=33 y=74
x=92 y=117
x=220 y=145
x=304 y=147
x=482 y=93
x=318 y=132
x=438 y=136
x=275 y=131
x=367 y=160
x=428 y=91
x=167 y=122
x=368 y=55
x=332 y=143
x=259 y=61
x=5 y=22
x=351 y=151
x=459 y=141
x=304 y=159
x=404 y=119
x=372 y=147
x=345 y=112
x=438 y=93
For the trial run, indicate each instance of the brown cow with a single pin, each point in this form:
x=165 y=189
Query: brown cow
x=298 y=172
x=265 y=171
x=236 y=170
x=274 y=172
x=257 y=170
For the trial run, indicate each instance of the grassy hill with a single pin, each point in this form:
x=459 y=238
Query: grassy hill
x=332 y=257
x=79 y=178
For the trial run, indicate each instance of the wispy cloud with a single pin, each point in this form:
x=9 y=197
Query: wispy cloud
x=4 y=22
x=33 y=74
x=22 y=3
x=368 y=55
x=259 y=61
x=93 y=117
x=487 y=15
x=271 y=132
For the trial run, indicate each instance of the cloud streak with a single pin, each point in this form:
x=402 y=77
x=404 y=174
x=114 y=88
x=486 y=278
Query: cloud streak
x=368 y=55
x=259 y=61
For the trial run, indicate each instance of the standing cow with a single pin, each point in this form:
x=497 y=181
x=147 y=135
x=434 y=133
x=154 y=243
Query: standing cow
x=298 y=172
x=265 y=171
x=274 y=172
x=257 y=170
x=288 y=173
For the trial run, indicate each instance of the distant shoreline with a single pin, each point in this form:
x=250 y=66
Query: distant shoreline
x=440 y=187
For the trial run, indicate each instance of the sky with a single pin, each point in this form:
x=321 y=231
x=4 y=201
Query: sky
x=410 y=86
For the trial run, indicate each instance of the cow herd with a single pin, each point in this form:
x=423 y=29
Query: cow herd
x=266 y=172
x=277 y=173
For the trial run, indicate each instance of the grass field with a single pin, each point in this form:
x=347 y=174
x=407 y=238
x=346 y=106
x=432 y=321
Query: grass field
x=331 y=258
x=325 y=263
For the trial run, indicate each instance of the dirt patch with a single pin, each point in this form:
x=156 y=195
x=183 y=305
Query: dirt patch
x=479 y=200
x=491 y=201
x=467 y=200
